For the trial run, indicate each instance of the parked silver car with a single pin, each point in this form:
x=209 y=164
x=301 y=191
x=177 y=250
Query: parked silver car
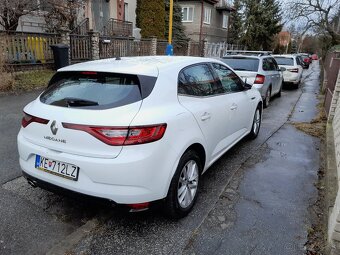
x=258 y=69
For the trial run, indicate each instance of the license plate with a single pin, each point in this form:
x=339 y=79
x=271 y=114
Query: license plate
x=56 y=167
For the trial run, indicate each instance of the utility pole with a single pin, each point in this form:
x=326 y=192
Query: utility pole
x=169 y=47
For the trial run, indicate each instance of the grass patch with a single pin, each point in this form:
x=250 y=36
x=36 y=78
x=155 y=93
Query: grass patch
x=316 y=127
x=26 y=81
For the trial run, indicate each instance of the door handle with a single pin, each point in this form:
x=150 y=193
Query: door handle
x=233 y=107
x=205 y=116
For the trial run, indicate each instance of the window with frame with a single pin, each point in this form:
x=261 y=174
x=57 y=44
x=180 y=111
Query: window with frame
x=230 y=81
x=187 y=14
x=225 y=21
x=265 y=64
x=198 y=80
x=207 y=15
x=272 y=64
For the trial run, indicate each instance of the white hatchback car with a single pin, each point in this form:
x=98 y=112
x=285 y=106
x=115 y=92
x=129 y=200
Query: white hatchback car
x=136 y=130
x=294 y=69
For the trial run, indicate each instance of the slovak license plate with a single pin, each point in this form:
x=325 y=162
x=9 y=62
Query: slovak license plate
x=58 y=168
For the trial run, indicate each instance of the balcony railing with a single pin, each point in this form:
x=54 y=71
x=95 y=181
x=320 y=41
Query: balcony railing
x=225 y=5
x=83 y=28
x=115 y=27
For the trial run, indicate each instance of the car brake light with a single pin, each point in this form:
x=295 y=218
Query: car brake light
x=295 y=70
x=28 y=119
x=89 y=73
x=118 y=136
x=259 y=79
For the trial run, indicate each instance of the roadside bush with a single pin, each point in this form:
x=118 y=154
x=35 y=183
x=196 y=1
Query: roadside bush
x=6 y=79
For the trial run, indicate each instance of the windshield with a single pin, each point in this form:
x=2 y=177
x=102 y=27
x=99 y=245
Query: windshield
x=284 y=61
x=242 y=63
x=92 y=90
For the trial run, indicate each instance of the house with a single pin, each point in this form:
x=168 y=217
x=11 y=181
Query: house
x=99 y=12
x=284 y=38
x=99 y=15
x=206 y=19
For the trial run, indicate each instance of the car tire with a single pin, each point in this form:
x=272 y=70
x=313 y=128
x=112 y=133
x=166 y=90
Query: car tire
x=183 y=189
x=255 y=128
x=296 y=86
x=267 y=98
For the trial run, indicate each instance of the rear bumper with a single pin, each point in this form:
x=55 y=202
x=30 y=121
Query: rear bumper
x=59 y=190
x=139 y=174
x=291 y=78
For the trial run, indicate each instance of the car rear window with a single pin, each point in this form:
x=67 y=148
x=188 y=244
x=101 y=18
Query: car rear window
x=284 y=61
x=92 y=90
x=242 y=64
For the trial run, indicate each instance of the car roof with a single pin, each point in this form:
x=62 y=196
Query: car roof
x=243 y=56
x=149 y=65
x=284 y=55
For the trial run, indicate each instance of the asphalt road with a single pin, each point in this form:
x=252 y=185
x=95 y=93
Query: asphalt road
x=247 y=202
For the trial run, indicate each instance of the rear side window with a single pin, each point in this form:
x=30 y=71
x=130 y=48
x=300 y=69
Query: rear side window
x=92 y=90
x=197 y=80
x=242 y=63
x=284 y=61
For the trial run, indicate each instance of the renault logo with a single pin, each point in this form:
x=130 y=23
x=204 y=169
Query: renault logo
x=54 y=127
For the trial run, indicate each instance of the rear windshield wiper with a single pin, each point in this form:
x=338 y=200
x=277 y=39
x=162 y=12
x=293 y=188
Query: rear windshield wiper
x=77 y=102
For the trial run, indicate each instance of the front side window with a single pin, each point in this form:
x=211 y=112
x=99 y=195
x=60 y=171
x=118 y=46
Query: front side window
x=207 y=15
x=197 y=80
x=230 y=81
x=187 y=14
x=265 y=64
x=225 y=21
x=269 y=64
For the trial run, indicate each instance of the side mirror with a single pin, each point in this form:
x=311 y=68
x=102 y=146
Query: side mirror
x=282 y=69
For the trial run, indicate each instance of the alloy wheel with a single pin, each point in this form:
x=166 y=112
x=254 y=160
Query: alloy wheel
x=188 y=184
x=257 y=121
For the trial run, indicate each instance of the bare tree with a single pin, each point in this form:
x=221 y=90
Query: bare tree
x=319 y=15
x=62 y=14
x=12 y=10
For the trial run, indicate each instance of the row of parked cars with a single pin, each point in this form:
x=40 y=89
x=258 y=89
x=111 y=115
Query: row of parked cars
x=268 y=72
x=140 y=131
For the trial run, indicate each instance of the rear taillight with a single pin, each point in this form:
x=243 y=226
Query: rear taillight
x=259 y=79
x=295 y=70
x=118 y=136
x=28 y=119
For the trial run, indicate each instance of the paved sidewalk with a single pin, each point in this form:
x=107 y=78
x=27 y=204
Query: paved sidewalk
x=267 y=211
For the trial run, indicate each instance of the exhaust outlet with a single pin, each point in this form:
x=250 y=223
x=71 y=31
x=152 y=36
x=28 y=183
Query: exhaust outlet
x=32 y=183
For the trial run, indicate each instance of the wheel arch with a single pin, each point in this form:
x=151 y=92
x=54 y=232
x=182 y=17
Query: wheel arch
x=197 y=147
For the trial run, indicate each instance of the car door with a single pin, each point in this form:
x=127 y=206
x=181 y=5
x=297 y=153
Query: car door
x=239 y=102
x=201 y=94
x=270 y=74
x=275 y=74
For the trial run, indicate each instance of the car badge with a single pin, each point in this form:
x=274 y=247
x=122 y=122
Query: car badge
x=54 y=127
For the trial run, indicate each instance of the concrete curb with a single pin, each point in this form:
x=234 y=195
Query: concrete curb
x=75 y=237
x=331 y=184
